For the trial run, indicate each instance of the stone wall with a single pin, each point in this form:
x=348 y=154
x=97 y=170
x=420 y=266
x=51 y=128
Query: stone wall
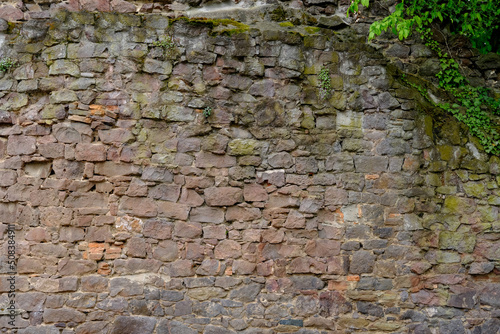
x=136 y=212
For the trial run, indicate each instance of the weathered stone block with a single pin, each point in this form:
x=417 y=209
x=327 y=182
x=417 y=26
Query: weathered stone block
x=206 y=160
x=109 y=168
x=322 y=248
x=242 y=214
x=136 y=266
x=227 y=249
x=138 y=206
x=63 y=315
x=18 y=145
x=173 y=210
x=133 y=325
x=223 y=196
x=173 y=327
x=67 y=267
x=275 y=177
x=362 y=262
x=370 y=164
x=207 y=215
x=90 y=152
x=462 y=242
x=187 y=230
x=157 y=229
x=166 y=251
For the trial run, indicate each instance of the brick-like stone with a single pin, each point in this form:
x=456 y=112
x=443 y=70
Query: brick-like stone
x=21 y=145
x=227 y=249
x=133 y=325
x=139 y=207
x=362 y=262
x=173 y=210
x=110 y=168
x=207 y=215
x=254 y=193
x=90 y=152
x=223 y=196
x=63 y=315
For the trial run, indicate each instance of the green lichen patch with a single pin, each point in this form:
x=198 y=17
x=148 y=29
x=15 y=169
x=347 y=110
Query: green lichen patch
x=217 y=26
x=243 y=147
x=461 y=242
x=312 y=30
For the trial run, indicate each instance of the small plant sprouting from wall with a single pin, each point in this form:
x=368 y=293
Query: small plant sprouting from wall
x=325 y=84
x=167 y=43
x=207 y=112
x=6 y=64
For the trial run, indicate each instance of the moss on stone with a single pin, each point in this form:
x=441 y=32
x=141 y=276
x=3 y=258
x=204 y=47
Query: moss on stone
x=312 y=30
x=278 y=14
x=446 y=152
x=243 y=147
x=217 y=26
x=462 y=242
x=286 y=24
x=475 y=190
x=308 y=122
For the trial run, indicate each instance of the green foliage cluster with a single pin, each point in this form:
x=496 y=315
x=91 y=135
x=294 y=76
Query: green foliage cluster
x=473 y=106
x=479 y=20
x=207 y=112
x=6 y=64
x=167 y=43
x=476 y=19
x=325 y=84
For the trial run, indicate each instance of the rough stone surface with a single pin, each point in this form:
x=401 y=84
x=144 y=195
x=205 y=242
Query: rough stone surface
x=208 y=187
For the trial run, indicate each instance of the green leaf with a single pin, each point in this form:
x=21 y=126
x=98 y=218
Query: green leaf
x=365 y=3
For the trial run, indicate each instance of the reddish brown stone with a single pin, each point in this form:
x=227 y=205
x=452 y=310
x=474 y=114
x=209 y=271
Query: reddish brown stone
x=254 y=193
x=191 y=198
x=187 y=230
x=136 y=266
x=307 y=265
x=90 y=152
x=180 y=268
x=322 y=248
x=137 y=206
x=335 y=196
x=336 y=265
x=295 y=220
x=38 y=234
x=273 y=236
x=333 y=303
x=223 y=196
x=166 y=250
x=18 y=145
x=227 y=249
x=210 y=267
x=205 y=160
x=194 y=251
x=67 y=267
x=265 y=268
x=10 y=13
x=173 y=210
x=63 y=315
x=136 y=247
x=95 y=5
x=242 y=214
x=242 y=267
x=157 y=229
x=214 y=232
x=207 y=215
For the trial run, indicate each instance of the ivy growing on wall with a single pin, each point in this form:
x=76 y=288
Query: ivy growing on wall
x=479 y=20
